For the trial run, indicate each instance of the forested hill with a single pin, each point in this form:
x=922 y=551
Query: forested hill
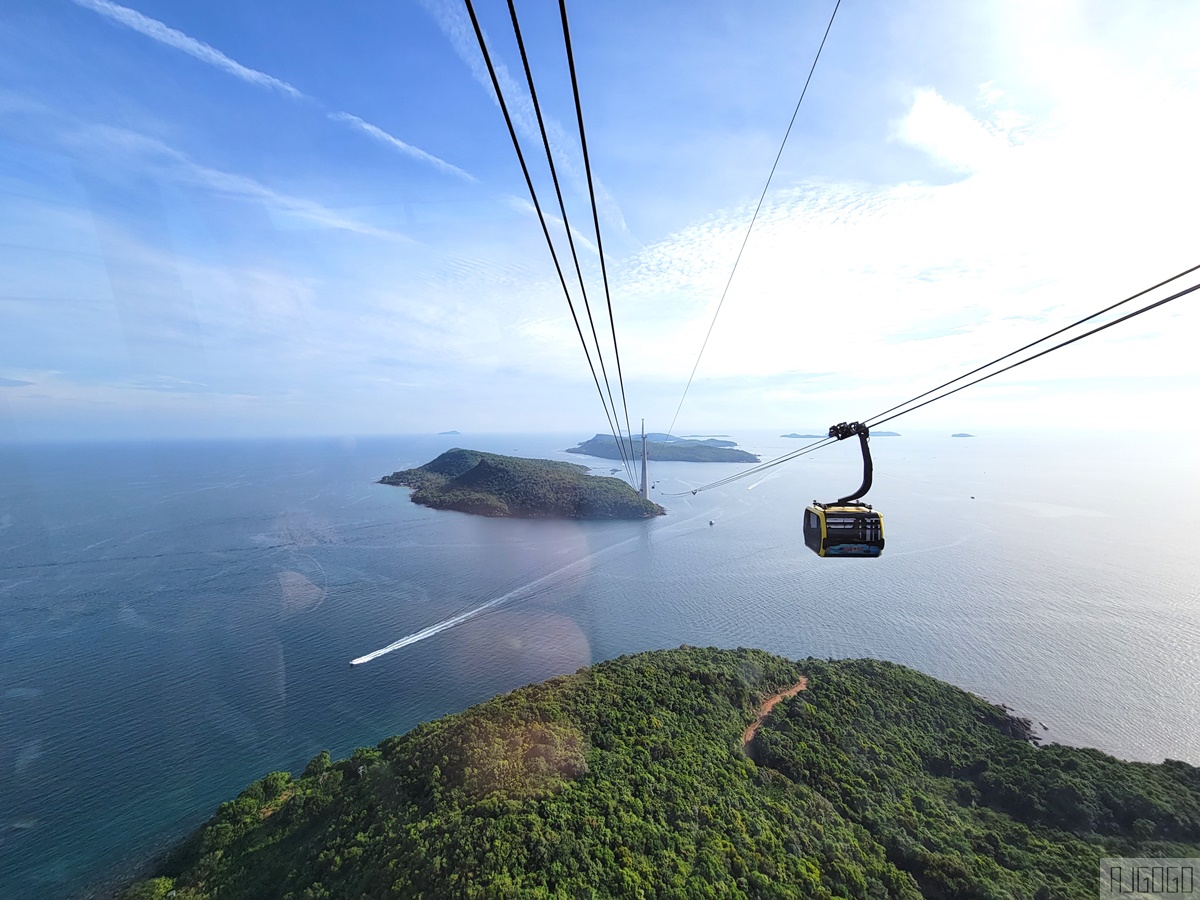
x=630 y=779
x=490 y=484
x=667 y=448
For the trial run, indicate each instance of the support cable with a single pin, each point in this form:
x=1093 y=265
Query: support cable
x=587 y=166
x=761 y=467
x=754 y=217
x=1040 y=340
x=825 y=442
x=1021 y=362
x=542 y=219
x=537 y=109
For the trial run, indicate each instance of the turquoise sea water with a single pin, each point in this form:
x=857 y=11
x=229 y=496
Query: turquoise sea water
x=177 y=619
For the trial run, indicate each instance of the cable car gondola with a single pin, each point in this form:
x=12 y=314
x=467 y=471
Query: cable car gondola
x=846 y=527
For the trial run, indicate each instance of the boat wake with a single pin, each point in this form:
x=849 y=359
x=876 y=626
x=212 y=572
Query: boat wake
x=429 y=632
x=527 y=590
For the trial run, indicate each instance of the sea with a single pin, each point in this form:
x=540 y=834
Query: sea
x=178 y=619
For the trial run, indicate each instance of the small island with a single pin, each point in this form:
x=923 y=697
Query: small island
x=962 y=434
x=667 y=448
x=448 y=432
x=732 y=772
x=488 y=484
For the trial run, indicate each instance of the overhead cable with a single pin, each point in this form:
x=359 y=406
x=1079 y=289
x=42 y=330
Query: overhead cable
x=825 y=442
x=512 y=133
x=587 y=166
x=761 y=467
x=1040 y=340
x=1022 y=362
x=537 y=109
x=754 y=217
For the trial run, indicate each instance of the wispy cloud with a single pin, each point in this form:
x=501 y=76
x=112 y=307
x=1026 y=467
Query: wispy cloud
x=171 y=37
x=950 y=134
x=170 y=161
x=525 y=207
x=164 y=34
x=455 y=26
x=415 y=152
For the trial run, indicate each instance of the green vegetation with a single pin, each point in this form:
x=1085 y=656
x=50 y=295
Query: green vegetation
x=667 y=448
x=629 y=779
x=489 y=484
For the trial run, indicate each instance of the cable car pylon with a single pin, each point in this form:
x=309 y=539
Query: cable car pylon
x=645 y=477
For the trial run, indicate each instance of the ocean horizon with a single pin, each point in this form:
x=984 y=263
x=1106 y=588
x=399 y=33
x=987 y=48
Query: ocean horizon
x=178 y=618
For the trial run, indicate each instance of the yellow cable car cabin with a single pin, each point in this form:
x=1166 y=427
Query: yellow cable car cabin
x=837 y=529
x=847 y=526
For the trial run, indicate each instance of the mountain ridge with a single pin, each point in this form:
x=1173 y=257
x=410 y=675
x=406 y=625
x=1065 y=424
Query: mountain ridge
x=629 y=778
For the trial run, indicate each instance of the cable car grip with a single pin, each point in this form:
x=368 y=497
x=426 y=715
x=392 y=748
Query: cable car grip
x=843 y=430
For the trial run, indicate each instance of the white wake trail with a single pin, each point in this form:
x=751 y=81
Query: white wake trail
x=770 y=476
x=432 y=629
x=471 y=613
x=445 y=624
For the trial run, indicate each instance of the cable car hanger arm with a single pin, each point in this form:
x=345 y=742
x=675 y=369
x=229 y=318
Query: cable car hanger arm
x=843 y=430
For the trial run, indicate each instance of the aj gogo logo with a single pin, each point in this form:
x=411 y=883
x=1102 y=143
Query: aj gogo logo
x=1148 y=877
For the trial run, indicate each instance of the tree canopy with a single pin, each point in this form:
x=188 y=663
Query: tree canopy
x=630 y=779
x=491 y=484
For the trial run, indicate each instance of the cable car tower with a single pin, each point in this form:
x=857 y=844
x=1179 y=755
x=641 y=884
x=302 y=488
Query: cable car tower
x=645 y=479
x=847 y=526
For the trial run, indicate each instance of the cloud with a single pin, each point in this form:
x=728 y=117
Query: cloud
x=457 y=28
x=164 y=34
x=415 y=152
x=14 y=382
x=170 y=384
x=526 y=207
x=885 y=287
x=170 y=161
x=845 y=278
x=950 y=134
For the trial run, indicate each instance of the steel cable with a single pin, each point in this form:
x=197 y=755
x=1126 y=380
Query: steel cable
x=754 y=217
x=512 y=133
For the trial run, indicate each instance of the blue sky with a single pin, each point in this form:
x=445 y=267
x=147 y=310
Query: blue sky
x=303 y=218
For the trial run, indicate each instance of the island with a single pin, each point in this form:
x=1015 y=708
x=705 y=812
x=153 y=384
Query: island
x=440 y=433
x=697 y=772
x=488 y=484
x=667 y=448
x=962 y=434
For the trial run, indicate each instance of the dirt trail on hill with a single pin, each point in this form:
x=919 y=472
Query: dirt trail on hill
x=765 y=710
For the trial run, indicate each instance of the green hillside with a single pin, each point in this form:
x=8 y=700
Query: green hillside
x=489 y=484
x=630 y=779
